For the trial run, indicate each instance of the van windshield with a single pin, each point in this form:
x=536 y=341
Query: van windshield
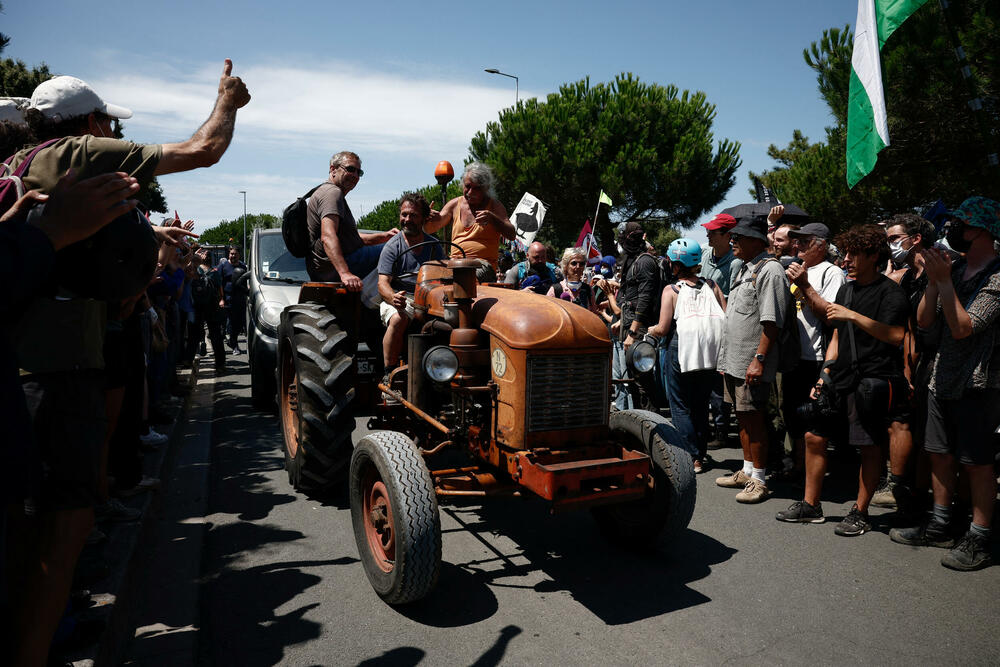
x=276 y=263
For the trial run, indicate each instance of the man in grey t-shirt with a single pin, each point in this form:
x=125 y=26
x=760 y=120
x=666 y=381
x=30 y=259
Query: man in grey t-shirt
x=339 y=252
x=757 y=308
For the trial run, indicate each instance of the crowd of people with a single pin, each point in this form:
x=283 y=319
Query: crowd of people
x=102 y=309
x=882 y=339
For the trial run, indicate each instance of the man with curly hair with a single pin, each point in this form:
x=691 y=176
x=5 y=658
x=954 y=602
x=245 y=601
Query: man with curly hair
x=864 y=369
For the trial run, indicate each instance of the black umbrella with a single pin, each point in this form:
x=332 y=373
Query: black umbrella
x=793 y=213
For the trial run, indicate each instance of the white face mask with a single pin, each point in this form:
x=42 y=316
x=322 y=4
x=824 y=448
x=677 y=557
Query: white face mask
x=574 y=284
x=898 y=253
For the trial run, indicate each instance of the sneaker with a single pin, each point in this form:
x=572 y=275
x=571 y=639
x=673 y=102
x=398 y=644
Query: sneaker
x=802 y=512
x=145 y=484
x=737 y=480
x=930 y=534
x=971 y=553
x=753 y=492
x=389 y=398
x=884 y=497
x=855 y=523
x=698 y=468
x=114 y=510
x=153 y=438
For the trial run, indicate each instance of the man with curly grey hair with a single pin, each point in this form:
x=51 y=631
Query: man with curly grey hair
x=478 y=220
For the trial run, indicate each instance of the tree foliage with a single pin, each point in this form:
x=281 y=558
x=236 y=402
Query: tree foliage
x=649 y=147
x=385 y=216
x=230 y=232
x=938 y=142
x=19 y=80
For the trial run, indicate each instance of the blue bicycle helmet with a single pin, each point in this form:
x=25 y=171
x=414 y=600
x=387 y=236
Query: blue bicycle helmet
x=685 y=251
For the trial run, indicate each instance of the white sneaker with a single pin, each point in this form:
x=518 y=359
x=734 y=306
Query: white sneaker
x=153 y=438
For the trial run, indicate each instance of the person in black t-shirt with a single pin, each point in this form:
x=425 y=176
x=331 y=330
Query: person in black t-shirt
x=864 y=365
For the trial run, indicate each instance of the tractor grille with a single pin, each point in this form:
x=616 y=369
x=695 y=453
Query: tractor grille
x=567 y=391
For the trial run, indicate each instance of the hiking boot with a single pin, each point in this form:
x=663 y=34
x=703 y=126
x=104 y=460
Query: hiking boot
x=114 y=510
x=884 y=497
x=855 y=523
x=802 y=512
x=971 y=553
x=753 y=492
x=737 y=480
x=929 y=534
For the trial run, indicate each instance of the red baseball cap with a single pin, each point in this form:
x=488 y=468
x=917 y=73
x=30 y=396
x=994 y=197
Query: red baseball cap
x=721 y=221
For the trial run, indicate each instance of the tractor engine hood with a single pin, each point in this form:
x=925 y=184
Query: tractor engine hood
x=524 y=320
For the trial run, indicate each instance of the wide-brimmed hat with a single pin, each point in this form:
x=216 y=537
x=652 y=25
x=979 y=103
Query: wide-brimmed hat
x=65 y=97
x=979 y=212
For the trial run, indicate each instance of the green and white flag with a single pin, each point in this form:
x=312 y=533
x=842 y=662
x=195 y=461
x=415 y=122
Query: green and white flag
x=867 y=128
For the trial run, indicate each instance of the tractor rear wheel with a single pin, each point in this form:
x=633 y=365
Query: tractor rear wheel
x=315 y=395
x=666 y=511
x=395 y=516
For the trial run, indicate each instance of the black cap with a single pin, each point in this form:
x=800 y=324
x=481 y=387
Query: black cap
x=754 y=227
x=817 y=229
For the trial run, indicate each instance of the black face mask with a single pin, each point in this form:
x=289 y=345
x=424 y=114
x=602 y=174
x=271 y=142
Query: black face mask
x=955 y=237
x=634 y=244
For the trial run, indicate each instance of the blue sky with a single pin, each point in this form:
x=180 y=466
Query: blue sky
x=402 y=84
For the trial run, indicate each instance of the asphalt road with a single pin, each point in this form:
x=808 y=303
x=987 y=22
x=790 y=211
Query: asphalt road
x=281 y=583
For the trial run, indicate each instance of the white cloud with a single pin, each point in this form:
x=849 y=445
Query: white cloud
x=300 y=107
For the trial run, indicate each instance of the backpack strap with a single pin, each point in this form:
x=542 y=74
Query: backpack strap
x=18 y=173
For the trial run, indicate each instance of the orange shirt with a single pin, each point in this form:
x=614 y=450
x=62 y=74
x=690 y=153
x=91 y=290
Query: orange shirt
x=478 y=241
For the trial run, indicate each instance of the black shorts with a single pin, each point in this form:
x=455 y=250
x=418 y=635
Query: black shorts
x=68 y=417
x=965 y=427
x=798 y=383
x=859 y=426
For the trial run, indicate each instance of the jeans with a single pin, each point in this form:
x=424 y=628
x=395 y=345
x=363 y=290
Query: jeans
x=688 y=394
x=720 y=410
x=364 y=260
x=619 y=391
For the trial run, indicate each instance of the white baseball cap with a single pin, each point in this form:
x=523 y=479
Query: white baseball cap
x=65 y=97
x=12 y=109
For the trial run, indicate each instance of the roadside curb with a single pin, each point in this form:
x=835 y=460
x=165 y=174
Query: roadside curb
x=113 y=597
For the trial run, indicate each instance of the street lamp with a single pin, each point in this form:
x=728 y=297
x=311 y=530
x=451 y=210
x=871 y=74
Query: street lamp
x=244 y=193
x=517 y=96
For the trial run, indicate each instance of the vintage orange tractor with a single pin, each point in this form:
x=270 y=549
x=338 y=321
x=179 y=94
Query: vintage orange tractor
x=503 y=393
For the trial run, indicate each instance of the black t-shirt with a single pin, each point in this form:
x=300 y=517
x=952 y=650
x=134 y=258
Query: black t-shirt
x=883 y=301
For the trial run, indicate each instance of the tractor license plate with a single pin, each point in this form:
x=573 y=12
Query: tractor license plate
x=366 y=366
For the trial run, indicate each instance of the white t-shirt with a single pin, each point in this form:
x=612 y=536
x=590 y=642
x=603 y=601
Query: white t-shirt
x=826 y=279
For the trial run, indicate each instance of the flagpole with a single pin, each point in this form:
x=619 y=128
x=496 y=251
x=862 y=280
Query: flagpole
x=596 y=211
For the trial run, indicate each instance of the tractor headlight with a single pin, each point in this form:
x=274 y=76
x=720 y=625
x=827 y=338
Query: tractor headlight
x=269 y=314
x=440 y=363
x=642 y=357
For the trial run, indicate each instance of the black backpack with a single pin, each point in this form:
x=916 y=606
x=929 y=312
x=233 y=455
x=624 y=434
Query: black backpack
x=202 y=295
x=294 y=228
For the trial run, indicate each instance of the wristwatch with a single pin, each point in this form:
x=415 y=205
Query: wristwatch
x=760 y=357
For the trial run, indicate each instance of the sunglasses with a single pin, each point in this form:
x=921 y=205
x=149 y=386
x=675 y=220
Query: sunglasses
x=351 y=169
x=577 y=263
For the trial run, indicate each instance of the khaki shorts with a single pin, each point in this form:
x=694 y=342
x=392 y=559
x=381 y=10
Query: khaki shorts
x=386 y=311
x=743 y=398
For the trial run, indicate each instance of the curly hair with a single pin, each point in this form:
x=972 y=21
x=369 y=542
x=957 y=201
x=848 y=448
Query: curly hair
x=417 y=200
x=913 y=224
x=866 y=239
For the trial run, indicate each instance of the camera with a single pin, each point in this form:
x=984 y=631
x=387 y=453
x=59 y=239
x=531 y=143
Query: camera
x=826 y=405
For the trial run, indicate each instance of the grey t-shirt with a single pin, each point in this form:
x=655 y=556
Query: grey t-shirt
x=411 y=261
x=748 y=308
x=328 y=201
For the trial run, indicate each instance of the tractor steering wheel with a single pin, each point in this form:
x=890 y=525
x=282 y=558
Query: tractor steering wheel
x=411 y=274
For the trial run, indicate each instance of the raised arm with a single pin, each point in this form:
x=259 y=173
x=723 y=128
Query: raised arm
x=206 y=146
x=436 y=220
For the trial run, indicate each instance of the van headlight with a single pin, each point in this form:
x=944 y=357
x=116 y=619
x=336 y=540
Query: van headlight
x=642 y=357
x=440 y=363
x=269 y=314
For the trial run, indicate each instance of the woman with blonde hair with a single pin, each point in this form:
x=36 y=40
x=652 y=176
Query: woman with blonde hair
x=572 y=287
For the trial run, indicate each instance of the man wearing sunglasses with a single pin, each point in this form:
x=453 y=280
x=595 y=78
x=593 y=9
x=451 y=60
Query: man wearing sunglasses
x=340 y=253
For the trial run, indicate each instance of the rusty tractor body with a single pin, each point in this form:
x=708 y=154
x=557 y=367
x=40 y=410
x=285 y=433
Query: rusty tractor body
x=502 y=393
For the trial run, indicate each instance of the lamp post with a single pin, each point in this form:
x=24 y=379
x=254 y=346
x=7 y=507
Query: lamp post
x=517 y=95
x=244 y=193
